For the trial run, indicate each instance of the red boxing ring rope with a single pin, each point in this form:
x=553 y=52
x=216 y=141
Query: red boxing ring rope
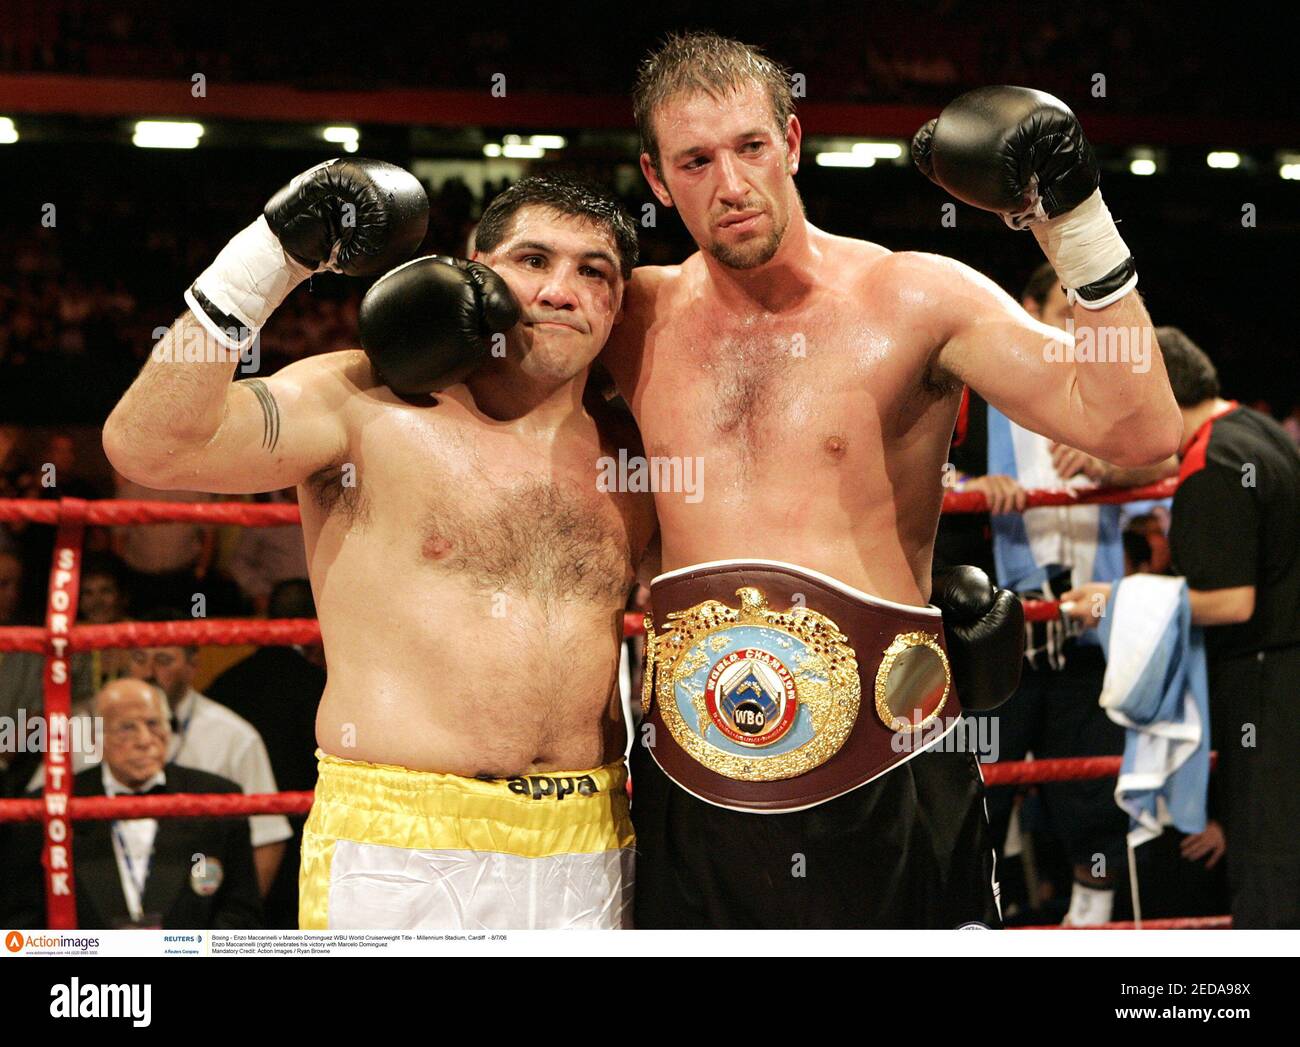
x=59 y=638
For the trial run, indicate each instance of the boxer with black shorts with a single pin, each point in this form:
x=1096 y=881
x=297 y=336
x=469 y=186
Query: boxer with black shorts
x=786 y=775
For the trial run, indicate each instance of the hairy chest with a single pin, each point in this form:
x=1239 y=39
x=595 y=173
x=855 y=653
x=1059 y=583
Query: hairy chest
x=544 y=538
x=826 y=385
x=458 y=499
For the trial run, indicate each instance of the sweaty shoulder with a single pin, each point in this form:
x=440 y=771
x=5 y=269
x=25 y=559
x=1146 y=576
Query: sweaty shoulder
x=933 y=280
x=648 y=288
x=337 y=374
x=340 y=384
x=646 y=297
x=847 y=261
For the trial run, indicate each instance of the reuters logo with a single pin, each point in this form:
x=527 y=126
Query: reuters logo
x=14 y=941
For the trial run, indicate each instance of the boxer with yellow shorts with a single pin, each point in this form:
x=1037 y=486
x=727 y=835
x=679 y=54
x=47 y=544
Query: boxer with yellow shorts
x=389 y=847
x=470 y=573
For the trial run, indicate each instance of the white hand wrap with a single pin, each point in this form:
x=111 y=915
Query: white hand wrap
x=1085 y=247
x=242 y=287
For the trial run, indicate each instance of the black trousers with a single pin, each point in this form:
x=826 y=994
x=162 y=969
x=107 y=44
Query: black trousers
x=1255 y=715
x=910 y=849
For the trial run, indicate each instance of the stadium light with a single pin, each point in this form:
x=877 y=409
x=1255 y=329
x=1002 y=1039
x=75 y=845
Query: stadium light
x=348 y=137
x=879 y=150
x=514 y=147
x=1144 y=161
x=166 y=134
x=1224 y=160
x=834 y=159
x=8 y=133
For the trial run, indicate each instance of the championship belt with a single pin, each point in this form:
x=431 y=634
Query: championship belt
x=773 y=688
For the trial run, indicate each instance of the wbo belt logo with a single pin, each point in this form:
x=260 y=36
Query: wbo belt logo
x=752 y=693
x=750 y=696
x=541 y=786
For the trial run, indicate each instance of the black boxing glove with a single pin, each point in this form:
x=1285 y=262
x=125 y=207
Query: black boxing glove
x=985 y=630
x=356 y=217
x=1022 y=154
x=351 y=216
x=429 y=323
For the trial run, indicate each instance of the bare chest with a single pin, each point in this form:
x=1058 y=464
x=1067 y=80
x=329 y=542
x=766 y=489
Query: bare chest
x=490 y=510
x=555 y=539
x=819 y=389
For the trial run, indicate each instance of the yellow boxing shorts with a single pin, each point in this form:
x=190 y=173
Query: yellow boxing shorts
x=387 y=847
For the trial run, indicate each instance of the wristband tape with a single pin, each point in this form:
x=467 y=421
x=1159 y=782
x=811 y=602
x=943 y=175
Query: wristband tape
x=1109 y=289
x=1083 y=245
x=229 y=330
x=245 y=283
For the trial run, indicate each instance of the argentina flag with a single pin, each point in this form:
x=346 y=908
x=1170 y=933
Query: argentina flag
x=1156 y=686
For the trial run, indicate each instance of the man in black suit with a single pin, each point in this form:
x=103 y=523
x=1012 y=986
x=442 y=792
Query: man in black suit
x=143 y=872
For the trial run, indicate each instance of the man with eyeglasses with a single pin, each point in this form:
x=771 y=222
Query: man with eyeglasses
x=212 y=738
x=141 y=872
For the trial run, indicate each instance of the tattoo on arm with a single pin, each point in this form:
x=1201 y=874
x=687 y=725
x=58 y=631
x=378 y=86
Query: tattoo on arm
x=270 y=411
